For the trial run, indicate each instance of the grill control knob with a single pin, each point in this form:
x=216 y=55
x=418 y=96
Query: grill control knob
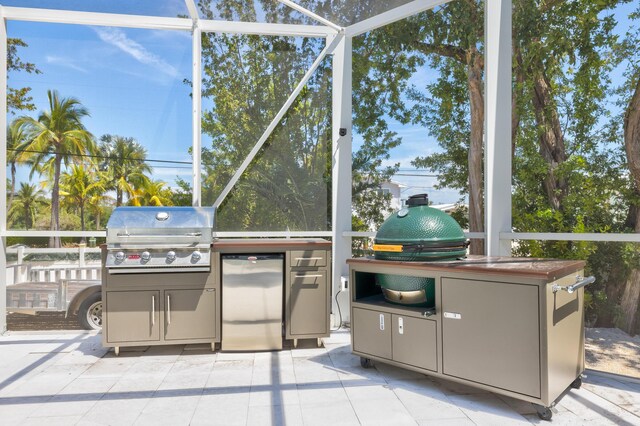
x=171 y=256
x=196 y=256
x=119 y=256
x=145 y=256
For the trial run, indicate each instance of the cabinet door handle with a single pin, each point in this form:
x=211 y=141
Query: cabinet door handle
x=153 y=310
x=381 y=322
x=400 y=325
x=168 y=309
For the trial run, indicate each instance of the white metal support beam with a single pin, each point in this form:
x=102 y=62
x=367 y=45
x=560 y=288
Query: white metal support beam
x=392 y=15
x=341 y=167
x=193 y=9
x=311 y=15
x=497 y=29
x=196 y=94
x=262 y=28
x=93 y=18
x=163 y=23
x=331 y=43
x=3 y=173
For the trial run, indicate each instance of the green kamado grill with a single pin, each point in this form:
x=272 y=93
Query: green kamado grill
x=417 y=233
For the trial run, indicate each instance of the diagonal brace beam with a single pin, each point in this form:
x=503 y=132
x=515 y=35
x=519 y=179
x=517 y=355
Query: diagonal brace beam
x=331 y=44
x=193 y=10
x=311 y=15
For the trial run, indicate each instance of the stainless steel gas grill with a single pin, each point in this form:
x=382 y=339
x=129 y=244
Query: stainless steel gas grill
x=159 y=239
x=159 y=285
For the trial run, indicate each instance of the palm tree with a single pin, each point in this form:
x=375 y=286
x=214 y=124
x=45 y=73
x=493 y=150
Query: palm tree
x=152 y=193
x=56 y=137
x=126 y=163
x=16 y=138
x=26 y=204
x=98 y=204
x=78 y=186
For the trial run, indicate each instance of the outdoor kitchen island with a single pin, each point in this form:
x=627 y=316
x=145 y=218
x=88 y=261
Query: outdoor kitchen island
x=514 y=326
x=144 y=307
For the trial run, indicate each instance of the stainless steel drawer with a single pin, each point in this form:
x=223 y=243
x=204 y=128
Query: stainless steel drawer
x=300 y=258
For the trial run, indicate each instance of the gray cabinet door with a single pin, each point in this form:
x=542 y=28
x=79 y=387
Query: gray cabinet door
x=490 y=334
x=190 y=314
x=133 y=316
x=414 y=342
x=308 y=302
x=371 y=332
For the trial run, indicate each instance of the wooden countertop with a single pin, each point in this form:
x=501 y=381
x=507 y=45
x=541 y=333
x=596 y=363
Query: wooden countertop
x=266 y=243
x=548 y=269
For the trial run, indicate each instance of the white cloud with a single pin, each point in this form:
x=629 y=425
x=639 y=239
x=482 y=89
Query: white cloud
x=64 y=62
x=119 y=39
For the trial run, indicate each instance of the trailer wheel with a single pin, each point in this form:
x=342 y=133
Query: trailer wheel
x=90 y=312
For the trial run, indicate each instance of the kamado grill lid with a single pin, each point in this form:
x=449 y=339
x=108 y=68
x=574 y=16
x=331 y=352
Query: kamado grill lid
x=420 y=233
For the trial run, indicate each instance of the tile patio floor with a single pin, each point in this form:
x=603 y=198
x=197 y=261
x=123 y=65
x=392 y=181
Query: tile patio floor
x=67 y=378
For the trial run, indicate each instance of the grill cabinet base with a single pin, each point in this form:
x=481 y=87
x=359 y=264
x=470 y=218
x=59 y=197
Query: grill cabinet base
x=497 y=325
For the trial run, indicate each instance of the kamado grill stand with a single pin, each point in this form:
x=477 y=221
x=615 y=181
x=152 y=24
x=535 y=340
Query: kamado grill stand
x=512 y=326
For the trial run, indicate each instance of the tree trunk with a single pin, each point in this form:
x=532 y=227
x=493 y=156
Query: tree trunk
x=631 y=295
x=475 y=163
x=83 y=239
x=13 y=185
x=629 y=303
x=118 y=197
x=552 y=147
x=55 y=203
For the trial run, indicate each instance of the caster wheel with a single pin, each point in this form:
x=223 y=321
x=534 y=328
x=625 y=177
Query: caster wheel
x=544 y=413
x=577 y=383
x=366 y=362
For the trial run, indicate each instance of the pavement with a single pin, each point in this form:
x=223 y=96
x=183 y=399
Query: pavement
x=68 y=378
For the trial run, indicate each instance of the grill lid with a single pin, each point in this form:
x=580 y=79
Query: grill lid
x=420 y=232
x=160 y=225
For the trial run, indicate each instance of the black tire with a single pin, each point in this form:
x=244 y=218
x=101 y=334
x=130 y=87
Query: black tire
x=90 y=312
x=366 y=362
x=577 y=383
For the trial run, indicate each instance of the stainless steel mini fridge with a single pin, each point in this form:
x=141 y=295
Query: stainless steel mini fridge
x=252 y=286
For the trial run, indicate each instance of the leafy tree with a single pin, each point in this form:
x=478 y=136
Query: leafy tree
x=55 y=138
x=26 y=204
x=248 y=79
x=125 y=162
x=19 y=99
x=80 y=185
x=630 y=100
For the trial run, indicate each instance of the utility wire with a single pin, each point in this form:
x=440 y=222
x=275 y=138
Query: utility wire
x=105 y=157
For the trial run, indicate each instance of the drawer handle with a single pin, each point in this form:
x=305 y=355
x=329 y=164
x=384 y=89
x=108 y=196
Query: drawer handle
x=168 y=309
x=308 y=276
x=308 y=258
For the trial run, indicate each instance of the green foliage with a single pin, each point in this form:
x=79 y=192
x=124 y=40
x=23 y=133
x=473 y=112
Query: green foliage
x=18 y=98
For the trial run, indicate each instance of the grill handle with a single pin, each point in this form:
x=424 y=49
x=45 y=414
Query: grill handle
x=580 y=282
x=187 y=234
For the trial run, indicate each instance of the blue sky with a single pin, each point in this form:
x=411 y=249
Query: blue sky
x=132 y=83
